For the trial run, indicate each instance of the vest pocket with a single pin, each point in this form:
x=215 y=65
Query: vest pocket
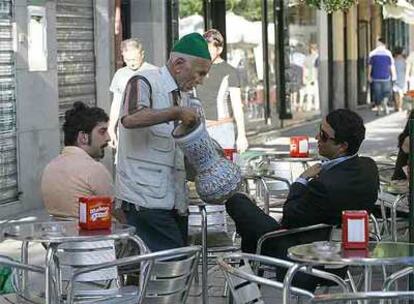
x=161 y=141
x=150 y=179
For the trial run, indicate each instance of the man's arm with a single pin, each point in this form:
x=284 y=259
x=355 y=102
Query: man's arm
x=146 y=117
x=115 y=109
x=113 y=120
x=237 y=106
x=138 y=111
x=305 y=205
x=393 y=72
x=369 y=73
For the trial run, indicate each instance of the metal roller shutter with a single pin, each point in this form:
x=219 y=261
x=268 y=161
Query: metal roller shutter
x=8 y=153
x=76 y=53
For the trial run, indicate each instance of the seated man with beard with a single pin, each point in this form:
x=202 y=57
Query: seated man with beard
x=77 y=171
x=345 y=181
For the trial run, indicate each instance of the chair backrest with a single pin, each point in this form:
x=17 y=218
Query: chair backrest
x=82 y=254
x=217 y=221
x=171 y=277
x=278 y=242
x=167 y=275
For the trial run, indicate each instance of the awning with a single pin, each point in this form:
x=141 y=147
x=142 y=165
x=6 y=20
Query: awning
x=402 y=10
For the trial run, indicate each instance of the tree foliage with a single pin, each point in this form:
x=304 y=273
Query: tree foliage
x=251 y=9
x=335 y=5
x=190 y=7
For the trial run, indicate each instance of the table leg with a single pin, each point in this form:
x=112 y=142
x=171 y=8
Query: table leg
x=49 y=264
x=204 y=266
x=25 y=260
x=368 y=280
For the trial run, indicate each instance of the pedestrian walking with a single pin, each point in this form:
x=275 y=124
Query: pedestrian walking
x=381 y=73
x=400 y=85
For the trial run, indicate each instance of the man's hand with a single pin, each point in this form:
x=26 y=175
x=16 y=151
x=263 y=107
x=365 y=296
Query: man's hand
x=187 y=115
x=311 y=172
x=241 y=144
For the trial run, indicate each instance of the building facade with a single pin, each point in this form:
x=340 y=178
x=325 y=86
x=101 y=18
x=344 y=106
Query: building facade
x=51 y=54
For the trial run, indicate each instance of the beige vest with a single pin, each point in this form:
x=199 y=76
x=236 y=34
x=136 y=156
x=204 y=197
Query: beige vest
x=150 y=171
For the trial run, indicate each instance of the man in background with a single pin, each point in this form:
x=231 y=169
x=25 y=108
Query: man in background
x=381 y=74
x=133 y=56
x=220 y=95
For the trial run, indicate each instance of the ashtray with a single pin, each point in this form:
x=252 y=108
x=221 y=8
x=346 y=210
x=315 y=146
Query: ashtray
x=325 y=247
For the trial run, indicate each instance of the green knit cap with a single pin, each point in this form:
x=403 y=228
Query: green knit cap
x=193 y=44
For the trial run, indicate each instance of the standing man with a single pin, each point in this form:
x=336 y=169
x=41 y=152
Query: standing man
x=221 y=98
x=77 y=171
x=381 y=74
x=150 y=175
x=133 y=56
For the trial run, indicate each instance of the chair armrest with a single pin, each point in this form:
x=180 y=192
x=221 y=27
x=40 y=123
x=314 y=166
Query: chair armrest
x=284 y=232
x=7 y=261
x=371 y=295
x=272 y=177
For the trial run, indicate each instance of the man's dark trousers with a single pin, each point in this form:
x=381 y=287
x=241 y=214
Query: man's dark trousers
x=159 y=229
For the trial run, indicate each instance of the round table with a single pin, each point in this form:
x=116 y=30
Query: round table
x=332 y=253
x=54 y=233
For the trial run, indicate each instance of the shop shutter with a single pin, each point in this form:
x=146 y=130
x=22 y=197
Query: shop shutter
x=8 y=153
x=76 y=53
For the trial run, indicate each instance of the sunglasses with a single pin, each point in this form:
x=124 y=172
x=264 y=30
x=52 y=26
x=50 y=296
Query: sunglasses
x=324 y=136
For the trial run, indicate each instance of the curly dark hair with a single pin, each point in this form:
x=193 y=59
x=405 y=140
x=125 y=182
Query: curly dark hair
x=81 y=118
x=349 y=127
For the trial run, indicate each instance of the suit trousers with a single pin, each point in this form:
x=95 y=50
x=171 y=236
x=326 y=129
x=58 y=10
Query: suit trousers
x=251 y=222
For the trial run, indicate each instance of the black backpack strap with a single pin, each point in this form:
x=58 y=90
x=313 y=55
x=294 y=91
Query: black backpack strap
x=131 y=92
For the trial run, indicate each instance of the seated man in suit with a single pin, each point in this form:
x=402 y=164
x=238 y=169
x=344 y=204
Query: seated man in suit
x=345 y=181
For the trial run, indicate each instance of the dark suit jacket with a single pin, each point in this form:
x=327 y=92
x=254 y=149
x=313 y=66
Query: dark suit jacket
x=350 y=185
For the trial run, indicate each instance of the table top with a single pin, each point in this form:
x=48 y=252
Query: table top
x=396 y=187
x=62 y=231
x=331 y=253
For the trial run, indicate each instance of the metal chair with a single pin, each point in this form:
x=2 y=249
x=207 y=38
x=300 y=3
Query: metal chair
x=268 y=191
x=244 y=283
x=167 y=277
x=276 y=243
x=394 y=203
x=207 y=226
x=22 y=295
x=76 y=255
x=357 y=296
